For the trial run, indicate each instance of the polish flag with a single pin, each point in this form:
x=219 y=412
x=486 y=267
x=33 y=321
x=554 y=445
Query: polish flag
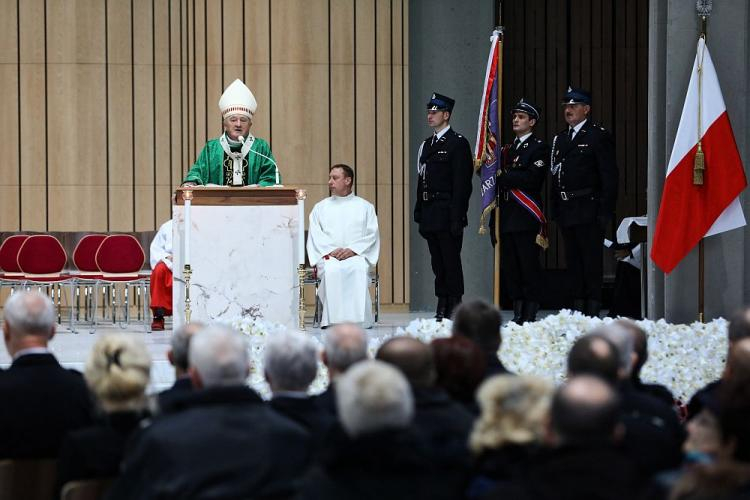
x=690 y=212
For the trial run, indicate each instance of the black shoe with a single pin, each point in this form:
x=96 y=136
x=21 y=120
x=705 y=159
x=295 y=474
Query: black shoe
x=442 y=306
x=518 y=312
x=529 y=311
x=579 y=305
x=453 y=303
x=593 y=307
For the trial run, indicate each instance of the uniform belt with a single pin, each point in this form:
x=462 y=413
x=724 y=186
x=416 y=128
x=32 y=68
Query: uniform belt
x=435 y=196
x=569 y=195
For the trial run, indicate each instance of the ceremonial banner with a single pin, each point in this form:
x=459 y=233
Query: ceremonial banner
x=487 y=149
x=691 y=210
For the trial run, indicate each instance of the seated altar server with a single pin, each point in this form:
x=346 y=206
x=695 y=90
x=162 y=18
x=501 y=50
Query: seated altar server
x=236 y=158
x=161 y=275
x=343 y=244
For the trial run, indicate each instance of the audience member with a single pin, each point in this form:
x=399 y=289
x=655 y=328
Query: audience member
x=442 y=423
x=739 y=328
x=223 y=442
x=653 y=435
x=41 y=400
x=480 y=322
x=117 y=372
x=178 y=357
x=640 y=349
x=291 y=363
x=460 y=365
x=583 y=461
x=344 y=345
x=377 y=456
x=510 y=428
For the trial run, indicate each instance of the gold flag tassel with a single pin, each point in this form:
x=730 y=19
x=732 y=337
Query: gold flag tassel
x=541 y=238
x=699 y=166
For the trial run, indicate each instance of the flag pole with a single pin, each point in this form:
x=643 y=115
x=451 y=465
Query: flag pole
x=496 y=282
x=703 y=8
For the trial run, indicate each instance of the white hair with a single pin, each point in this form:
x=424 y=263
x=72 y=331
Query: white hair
x=373 y=395
x=30 y=313
x=621 y=337
x=291 y=361
x=219 y=355
x=345 y=344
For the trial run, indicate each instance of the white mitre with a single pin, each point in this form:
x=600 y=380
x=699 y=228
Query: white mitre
x=237 y=100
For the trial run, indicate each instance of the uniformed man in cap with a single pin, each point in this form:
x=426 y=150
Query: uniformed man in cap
x=522 y=222
x=445 y=169
x=584 y=192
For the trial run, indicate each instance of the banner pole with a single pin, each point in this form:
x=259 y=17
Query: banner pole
x=496 y=297
x=704 y=10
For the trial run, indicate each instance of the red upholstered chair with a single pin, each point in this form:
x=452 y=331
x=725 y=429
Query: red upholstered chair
x=120 y=258
x=87 y=272
x=12 y=275
x=42 y=260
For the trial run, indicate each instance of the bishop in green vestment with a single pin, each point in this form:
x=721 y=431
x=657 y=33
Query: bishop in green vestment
x=236 y=158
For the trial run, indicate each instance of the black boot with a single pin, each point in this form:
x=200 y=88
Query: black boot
x=529 y=311
x=441 y=308
x=592 y=308
x=579 y=305
x=518 y=312
x=453 y=303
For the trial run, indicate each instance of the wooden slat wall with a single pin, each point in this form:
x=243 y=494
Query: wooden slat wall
x=106 y=104
x=599 y=45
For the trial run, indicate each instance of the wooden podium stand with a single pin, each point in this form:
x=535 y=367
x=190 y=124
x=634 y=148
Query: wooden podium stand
x=244 y=246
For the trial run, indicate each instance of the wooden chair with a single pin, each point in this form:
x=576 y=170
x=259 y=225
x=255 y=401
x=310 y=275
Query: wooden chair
x=28 y=479
x=90 y=489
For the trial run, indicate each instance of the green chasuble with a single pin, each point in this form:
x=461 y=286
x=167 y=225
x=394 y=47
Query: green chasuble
x=215 y=167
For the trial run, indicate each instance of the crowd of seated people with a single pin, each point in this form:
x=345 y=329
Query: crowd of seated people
x=444 y=420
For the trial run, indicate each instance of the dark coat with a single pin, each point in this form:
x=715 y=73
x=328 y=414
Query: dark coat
x=96 y=451
x=525 y=169
x=707 y=395
x=504 y=464
x=307 y=413
x=446 y=183
x=169 y=398
x=41 y=403
x=388 y=464
x=221 y=443
x=586 y=163
x=326 y=401
x=574 y=473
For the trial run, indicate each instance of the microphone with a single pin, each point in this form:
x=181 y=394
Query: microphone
x=271 y=160
x=241 y=139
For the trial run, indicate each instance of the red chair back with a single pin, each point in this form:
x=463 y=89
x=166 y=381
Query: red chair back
x=84 y=254
x=9 y=254
x=42 y=255
x=120 y=255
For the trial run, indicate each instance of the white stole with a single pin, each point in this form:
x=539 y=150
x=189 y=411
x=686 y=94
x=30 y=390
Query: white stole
x=237 y=157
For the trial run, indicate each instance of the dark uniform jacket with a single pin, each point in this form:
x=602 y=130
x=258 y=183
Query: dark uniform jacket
x=584 y=171
x=41 y=403
x=525 y=169
x=444 y=188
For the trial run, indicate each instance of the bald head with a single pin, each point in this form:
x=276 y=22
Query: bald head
x=593 y=354
x=585 y=410
x=738 y=362
x=412 y=357
x=345 y=344
x=29 y=321
x=739 y=325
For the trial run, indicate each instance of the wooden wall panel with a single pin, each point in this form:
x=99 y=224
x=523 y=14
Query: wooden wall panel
x=107 y=107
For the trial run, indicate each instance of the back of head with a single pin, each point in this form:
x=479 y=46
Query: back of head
x=585 y=411
x=478 y=321
x=412 y=357
x=739 y=325
x=30 y=313
x=514 y=410
x=118 y=371
x=622 y=338
x=373 y=396
x=640 y=344
x=345 y=344
x=180 y=344
x=593 y=354
x=219 y=356
x=460 y=366
x=734 y=401
x=291 y=361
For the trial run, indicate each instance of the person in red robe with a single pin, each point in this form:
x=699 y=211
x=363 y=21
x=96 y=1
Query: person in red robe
x=161 y=275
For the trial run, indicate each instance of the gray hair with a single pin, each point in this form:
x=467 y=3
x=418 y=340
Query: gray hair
x=373 y=395
x=219 y=355
x=180 y=343
x=291 y=361
x=30 y=313
x=345 y=345
x=621 y=337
